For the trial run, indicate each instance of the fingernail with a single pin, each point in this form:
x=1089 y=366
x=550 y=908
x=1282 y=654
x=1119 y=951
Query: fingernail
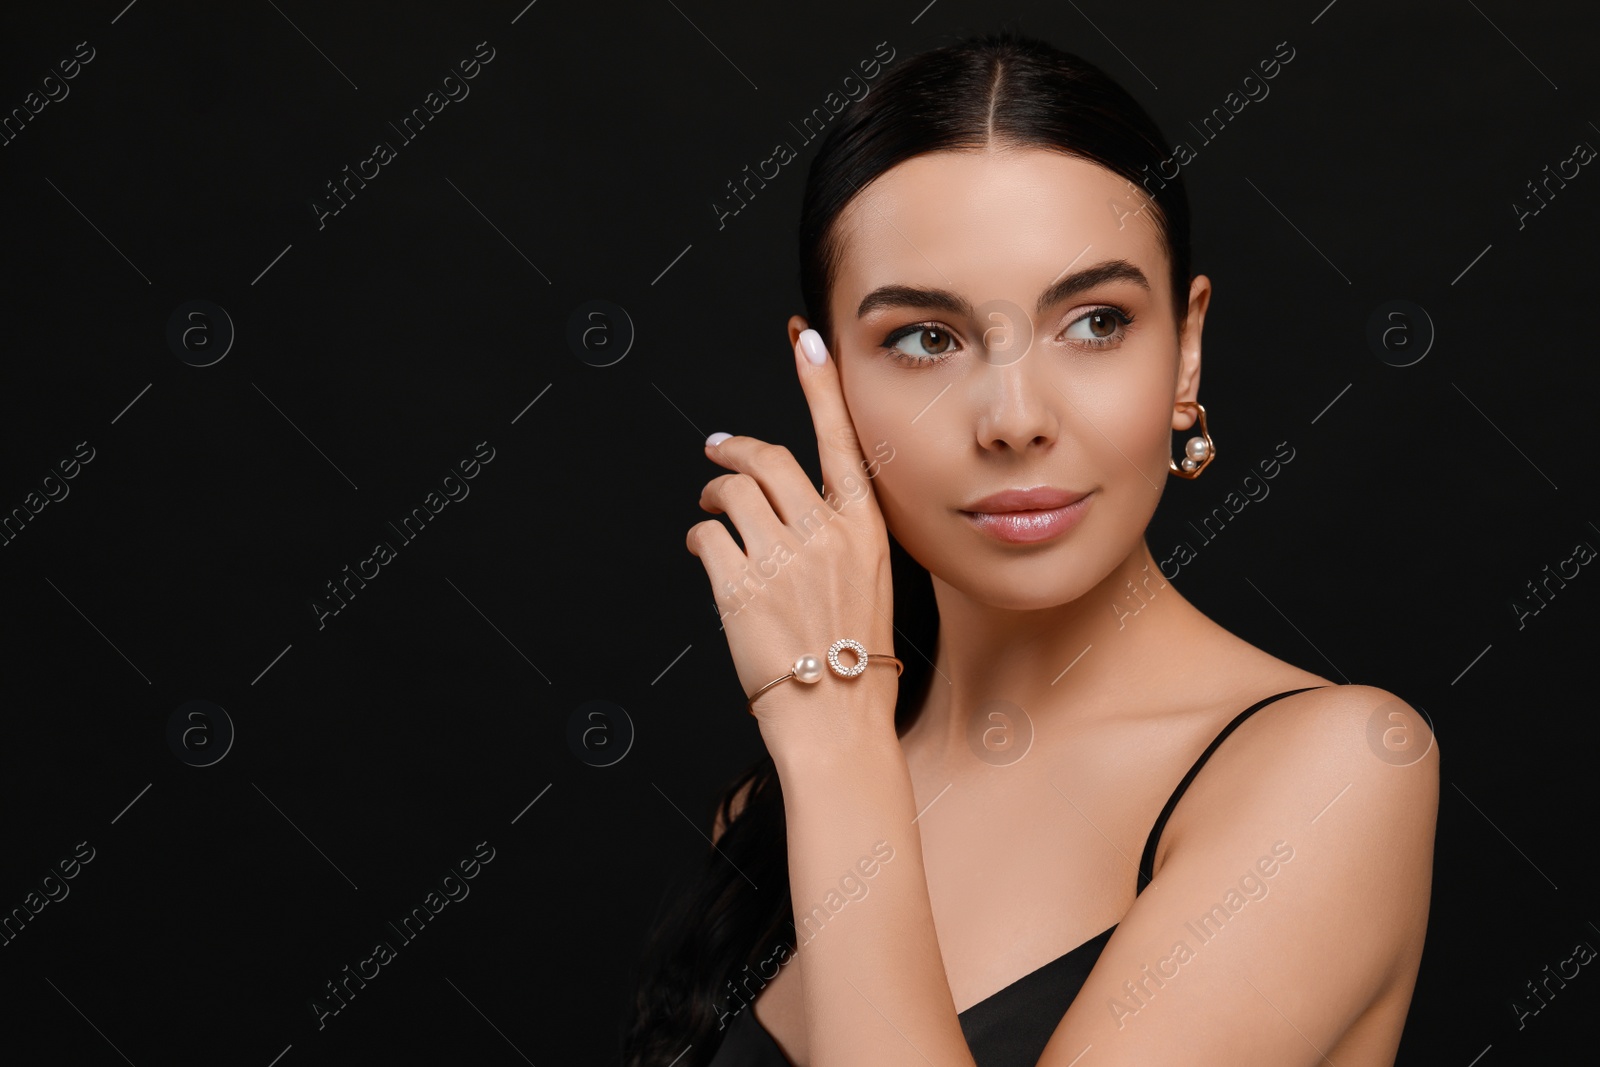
x=811 y=344
x=717 y=438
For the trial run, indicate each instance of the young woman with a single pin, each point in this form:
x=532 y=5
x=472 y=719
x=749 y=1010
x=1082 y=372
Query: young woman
x=983 y=858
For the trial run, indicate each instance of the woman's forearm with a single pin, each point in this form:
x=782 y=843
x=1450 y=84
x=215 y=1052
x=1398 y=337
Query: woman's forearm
x=873 y=982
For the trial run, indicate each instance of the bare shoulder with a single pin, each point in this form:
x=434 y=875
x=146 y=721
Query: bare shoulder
x=1346 y=778
x=1361 y=731
x=1292 y=884
x=1380 y=748
x=1356 y=746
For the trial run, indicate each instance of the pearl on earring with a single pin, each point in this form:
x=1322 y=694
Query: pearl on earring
x=1198 y=451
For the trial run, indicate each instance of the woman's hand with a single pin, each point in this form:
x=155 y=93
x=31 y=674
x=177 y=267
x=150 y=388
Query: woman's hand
x=814 y=568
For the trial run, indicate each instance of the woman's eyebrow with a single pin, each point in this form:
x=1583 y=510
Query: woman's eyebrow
x=944 y=300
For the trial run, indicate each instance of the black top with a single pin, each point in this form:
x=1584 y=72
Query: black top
x=1008 y=1028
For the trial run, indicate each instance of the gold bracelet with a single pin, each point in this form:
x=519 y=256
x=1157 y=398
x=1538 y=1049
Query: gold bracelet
x=808 y=668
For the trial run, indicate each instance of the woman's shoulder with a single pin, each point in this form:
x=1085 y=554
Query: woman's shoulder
x=1343 y=781
x=1333 y=727
x=1366 y=717
x=1315 y=731
x=1313 y=721
x=1316 y=742
x=1364 y=731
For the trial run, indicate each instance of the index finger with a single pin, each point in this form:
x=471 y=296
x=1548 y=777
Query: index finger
x=839 y=448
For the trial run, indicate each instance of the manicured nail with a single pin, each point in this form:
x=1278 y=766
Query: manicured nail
x=717 y=438
x=811 y=344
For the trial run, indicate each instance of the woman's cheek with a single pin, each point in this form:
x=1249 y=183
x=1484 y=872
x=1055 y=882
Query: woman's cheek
x=880 y=425
x=1134 y=417
x=903 y=489
x=888 y=482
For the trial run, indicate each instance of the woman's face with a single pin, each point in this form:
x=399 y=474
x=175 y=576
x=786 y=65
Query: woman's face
x=954 y=348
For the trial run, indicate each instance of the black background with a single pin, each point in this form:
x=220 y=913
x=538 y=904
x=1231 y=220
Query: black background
x=374 y=353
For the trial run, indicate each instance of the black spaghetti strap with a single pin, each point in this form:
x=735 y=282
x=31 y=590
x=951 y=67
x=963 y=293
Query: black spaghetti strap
x=1148 y=859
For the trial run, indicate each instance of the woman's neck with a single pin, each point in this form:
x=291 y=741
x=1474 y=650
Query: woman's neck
x=1132 y=633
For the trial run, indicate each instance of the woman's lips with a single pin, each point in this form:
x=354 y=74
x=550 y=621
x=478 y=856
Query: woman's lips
x=1023 y=527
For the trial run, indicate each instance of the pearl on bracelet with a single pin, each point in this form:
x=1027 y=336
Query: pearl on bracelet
x=808 y=669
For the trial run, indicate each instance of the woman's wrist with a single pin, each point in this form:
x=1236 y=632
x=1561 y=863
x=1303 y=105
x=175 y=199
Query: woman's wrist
x=816 y=726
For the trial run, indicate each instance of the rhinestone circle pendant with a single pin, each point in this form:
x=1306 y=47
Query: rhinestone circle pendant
x=852 y=645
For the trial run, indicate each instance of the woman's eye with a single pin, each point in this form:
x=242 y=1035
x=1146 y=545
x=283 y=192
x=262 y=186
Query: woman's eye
x=924 y=344
x=1100 y=327
x=920 y=344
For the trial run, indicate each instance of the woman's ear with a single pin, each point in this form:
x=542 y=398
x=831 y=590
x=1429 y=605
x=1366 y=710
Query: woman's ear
x=1188 y=383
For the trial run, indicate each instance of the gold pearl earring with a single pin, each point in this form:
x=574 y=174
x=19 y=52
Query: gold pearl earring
x=1200 y=450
